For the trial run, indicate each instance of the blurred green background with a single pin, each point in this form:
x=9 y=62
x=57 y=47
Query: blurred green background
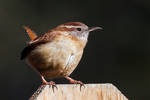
x=118 y=54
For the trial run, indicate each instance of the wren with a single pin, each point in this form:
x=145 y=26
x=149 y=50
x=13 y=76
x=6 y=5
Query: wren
x=57 y=52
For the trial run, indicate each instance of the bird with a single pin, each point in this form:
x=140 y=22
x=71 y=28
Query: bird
x=56 y=53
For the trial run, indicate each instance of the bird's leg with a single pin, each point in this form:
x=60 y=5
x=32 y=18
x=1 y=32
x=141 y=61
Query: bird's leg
x=72 y=81
x=44 y=82
x=51 y=83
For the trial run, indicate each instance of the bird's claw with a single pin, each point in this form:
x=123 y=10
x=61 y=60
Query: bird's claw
x=52 y=85
x=78 y=82
x=72 y=81
x=81 y=84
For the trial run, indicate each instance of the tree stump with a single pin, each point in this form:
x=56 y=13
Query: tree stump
x=73 y=92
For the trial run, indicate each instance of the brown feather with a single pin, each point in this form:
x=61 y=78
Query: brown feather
x=43 y=38
x=30 y=33
x=75 y=24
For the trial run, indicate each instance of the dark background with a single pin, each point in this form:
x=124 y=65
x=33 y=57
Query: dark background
x=118 y=54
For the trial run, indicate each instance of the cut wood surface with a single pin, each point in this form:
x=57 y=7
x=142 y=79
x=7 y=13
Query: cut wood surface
x=73 y=92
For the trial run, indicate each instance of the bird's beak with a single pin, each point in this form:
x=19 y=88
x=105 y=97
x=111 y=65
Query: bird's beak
x=94 y=28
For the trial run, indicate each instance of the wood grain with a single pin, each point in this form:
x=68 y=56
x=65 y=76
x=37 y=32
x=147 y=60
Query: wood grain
x=73 y=92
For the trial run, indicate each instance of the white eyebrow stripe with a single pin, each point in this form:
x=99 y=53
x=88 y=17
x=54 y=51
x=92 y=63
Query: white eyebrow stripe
x=71 y=26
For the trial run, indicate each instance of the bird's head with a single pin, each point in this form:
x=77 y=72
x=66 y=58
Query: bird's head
x=77 y=29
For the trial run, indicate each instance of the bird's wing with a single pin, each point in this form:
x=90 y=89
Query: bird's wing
x=44 y=38
x=30 y=33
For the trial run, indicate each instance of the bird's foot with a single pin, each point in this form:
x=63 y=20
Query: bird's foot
x=51 y=85
x=72 y=81
x=76 y=82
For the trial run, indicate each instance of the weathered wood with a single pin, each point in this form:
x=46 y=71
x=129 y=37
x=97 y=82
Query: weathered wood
x=73 y=92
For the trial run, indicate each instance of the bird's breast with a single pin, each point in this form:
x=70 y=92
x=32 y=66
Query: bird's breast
x=56 y=58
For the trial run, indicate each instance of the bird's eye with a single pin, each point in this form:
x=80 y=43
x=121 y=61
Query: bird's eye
x=79 y=29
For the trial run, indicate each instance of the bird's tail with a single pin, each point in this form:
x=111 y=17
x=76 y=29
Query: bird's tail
x=32 y=35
